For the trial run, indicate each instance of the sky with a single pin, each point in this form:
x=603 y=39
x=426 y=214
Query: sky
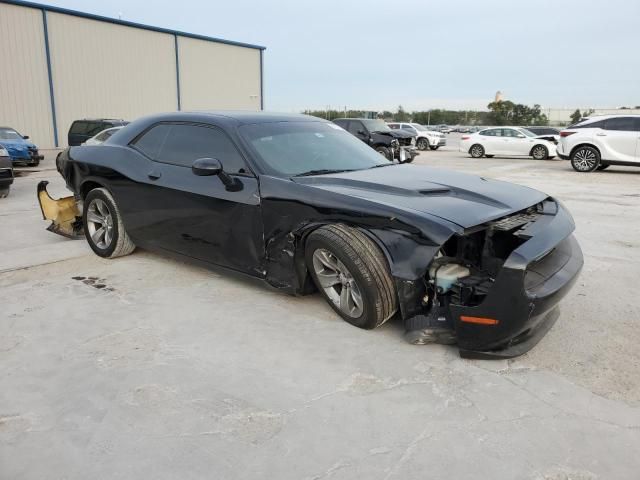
x=378 y=54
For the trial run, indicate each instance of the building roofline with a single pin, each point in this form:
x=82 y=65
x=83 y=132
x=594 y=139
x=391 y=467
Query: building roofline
x=126 y=23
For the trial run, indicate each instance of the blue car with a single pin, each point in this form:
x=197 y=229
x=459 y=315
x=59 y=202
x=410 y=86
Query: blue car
x=20 y=150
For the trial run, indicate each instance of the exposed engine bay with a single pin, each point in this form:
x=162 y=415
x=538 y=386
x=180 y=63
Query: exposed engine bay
x=464 y=271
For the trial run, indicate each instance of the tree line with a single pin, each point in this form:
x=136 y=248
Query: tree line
x=499 y=113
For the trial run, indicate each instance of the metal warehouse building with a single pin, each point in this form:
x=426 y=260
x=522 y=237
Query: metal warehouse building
x=59 y=65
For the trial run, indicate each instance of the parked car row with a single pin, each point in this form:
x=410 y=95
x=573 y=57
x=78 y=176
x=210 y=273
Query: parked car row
x=591 y=144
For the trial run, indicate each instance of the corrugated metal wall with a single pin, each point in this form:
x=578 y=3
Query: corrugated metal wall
x=102 y=69
x=229 y=79
x=109 y=70
x=24 y=84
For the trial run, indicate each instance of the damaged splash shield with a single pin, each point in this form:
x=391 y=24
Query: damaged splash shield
x=65 y=216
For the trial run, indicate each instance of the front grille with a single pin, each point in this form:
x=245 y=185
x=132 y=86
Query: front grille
x=514 y=221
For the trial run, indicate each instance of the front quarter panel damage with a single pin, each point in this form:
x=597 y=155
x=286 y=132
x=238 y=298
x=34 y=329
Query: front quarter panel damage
x=291 y=212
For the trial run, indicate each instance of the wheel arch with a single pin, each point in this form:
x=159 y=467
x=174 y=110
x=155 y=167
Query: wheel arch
x=408 y=259
x=538 y=145
x=90 y=184
x=585 y=144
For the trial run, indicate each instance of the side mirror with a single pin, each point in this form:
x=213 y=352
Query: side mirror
x=26 y=137
x=362 y=132
x=206 y=167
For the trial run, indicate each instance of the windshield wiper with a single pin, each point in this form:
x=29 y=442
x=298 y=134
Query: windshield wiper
x=384 y=165
x=323 y=171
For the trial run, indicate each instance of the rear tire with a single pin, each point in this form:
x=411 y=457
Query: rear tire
x=476 y=151
x=103 y=227
x=585 y=159
x=343 y=260
x=385 y=152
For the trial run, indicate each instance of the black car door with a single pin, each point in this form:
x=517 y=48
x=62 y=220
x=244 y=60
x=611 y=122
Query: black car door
x=357 y=129
x=193 y=215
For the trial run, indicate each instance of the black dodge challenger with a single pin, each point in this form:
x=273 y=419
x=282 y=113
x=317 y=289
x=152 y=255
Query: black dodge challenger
x=303 y=205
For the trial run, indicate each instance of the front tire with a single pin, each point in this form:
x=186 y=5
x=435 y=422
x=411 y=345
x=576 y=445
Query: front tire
x=385 y=152
x=540 y=152
x=103 y=227
x=352 y=275
x=423 y=144
x=585 y=159
x=476 y=151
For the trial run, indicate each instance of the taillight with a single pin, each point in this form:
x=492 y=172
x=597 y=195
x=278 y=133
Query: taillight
x=566 y=134
x=465 y=137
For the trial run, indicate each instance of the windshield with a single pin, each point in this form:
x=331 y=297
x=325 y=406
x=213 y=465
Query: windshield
x=294 y=148
x=528 y=133
x=419 y=127
x=9 y=134
x=376 y=125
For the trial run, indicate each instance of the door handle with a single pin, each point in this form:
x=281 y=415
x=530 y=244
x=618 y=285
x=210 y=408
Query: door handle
x=601 y=134
x=154 y=175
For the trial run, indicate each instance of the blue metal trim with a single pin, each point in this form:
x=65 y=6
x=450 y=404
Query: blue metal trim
x=125 y=23
x=175 y=43
x=261 y=81
x=51 y=96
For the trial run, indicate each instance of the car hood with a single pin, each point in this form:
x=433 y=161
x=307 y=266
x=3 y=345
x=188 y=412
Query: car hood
x=465 y=200
x=16 y=144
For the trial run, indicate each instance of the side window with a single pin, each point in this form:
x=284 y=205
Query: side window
x=152 y=140
x=186 y=143
x=407 y=127
x=104 y=135
x=96 y=127
x=355 y=127
x=625 y=124
x=78 y=128
x=509 y=132
x=599 y=124
x=487 y=133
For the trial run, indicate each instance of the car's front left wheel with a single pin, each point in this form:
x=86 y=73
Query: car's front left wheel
x=352 y=275
x=385 y=152
x=103 y=227
x=422 y=144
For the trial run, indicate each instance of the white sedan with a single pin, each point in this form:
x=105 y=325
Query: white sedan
x=507 y=141
x=103 y=136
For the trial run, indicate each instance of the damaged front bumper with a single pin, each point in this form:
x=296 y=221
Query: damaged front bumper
x=64 y=213
x=521 y=304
